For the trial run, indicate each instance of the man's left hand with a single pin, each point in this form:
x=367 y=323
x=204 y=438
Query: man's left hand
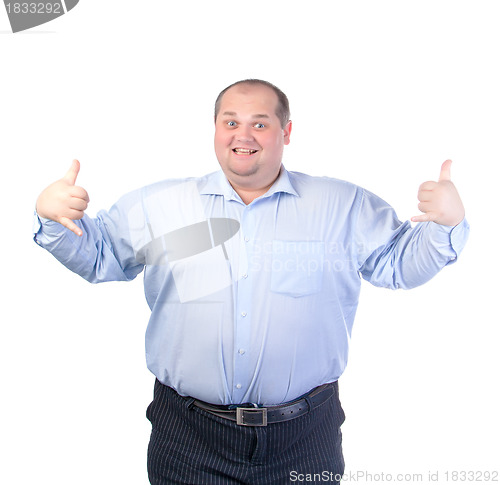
x=439 y=201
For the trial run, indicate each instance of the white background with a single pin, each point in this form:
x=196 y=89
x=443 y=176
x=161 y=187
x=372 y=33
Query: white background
x=382 y=92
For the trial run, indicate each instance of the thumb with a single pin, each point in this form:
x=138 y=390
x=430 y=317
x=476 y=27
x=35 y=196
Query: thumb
x=445 y=171
x=72 y=173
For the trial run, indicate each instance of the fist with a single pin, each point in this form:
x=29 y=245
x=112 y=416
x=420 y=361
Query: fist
x=63 y=201
x=439 y=201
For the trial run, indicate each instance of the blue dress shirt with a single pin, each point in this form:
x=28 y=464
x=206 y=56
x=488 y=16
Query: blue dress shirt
x=252 y=303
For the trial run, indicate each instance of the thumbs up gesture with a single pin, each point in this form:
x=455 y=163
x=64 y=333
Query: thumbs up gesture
x=63 y=201
x=439 y=201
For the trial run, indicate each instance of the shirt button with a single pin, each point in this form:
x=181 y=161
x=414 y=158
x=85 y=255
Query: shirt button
x=245 y=276
x=238 y=386
x=241 y=351
x=247 y=239
x=243 y=314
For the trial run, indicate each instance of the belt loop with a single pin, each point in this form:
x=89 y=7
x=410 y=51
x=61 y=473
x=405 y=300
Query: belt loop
x=309 y=403
x=190 y=402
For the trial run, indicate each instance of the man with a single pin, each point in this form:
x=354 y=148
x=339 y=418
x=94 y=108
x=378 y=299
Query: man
x=252 y=275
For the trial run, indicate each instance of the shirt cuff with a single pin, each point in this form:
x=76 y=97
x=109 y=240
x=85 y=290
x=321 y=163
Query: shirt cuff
x=40 y=224
x=454 y=237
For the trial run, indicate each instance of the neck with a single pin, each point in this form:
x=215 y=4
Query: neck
x=248 y=193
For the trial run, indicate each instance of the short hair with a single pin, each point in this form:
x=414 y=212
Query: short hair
x=282 y=108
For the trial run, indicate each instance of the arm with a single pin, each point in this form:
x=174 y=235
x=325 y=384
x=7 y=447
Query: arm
x=97 y=249
x=395 y=255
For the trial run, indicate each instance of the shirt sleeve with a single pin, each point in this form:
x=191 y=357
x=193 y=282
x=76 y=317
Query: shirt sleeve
x=104 y=252
x=394 y=254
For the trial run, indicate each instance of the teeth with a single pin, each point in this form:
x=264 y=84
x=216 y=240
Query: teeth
x=245 y=151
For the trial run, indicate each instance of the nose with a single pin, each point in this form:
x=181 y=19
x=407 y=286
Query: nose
x=244 y=133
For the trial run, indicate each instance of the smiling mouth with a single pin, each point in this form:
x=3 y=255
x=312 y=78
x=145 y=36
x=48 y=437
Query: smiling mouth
x=244 y=151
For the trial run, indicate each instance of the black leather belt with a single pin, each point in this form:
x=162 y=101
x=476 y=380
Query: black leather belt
x=262 y=416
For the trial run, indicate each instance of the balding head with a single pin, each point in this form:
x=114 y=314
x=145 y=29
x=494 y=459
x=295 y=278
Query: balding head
x=282 y=107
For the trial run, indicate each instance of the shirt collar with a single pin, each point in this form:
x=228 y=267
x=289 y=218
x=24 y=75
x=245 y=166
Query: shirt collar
x=217 y=184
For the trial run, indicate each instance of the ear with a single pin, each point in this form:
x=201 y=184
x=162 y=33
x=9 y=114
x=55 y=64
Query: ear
x=286 y=132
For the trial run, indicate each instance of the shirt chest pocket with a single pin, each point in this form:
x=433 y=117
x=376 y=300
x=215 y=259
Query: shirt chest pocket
x=297 y=267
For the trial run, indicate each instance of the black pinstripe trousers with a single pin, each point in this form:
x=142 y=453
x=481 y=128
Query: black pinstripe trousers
x=193 y=447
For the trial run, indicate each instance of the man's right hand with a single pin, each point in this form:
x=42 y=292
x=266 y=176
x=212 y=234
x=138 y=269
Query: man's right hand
x=63 y=201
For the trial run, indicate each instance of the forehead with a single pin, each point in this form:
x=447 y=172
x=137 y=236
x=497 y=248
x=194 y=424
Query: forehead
x=251 y=99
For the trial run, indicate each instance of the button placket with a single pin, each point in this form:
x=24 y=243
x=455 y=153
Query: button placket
x=243 y=314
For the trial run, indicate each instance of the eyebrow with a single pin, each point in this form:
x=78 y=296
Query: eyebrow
x=232 y=113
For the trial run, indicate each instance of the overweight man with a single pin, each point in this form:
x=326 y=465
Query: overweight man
x=252 y=274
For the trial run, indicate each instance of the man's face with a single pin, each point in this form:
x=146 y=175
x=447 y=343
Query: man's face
x=249 y=139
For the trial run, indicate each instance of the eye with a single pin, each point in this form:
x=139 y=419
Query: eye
x=231 y=123
x=259 y=125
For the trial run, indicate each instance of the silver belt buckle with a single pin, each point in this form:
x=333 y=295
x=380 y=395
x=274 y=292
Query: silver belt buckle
x=240 y=416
